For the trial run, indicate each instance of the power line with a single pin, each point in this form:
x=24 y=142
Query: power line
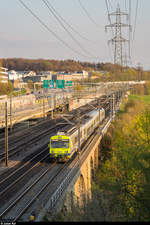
x=88 y=15
x=130 y=8
x=110 y=4
x=126 y=5
x=68 y=32
x=71 y=27
x=137 y=3
x=52 y=32
x=109 y=18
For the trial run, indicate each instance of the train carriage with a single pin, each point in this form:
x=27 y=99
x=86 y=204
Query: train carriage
x=62 y=146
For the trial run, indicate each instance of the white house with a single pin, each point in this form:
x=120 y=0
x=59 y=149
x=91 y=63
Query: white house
x=13 y=75
x=80 y=75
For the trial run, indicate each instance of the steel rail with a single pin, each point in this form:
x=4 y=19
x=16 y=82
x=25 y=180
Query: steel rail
x=58 y=190
x=27 y=132
x=88 y=142
x=25 y=173
x=75 y=167
x=31 y=141
x=14 y=152
x=29 y=188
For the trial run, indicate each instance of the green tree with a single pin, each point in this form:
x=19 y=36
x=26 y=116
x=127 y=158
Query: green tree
x=125 y=176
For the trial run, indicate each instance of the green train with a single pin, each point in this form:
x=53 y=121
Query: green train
x=63 y=145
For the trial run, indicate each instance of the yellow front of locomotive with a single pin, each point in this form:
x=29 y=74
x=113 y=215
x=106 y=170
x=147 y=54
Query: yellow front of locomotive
x=60 y=148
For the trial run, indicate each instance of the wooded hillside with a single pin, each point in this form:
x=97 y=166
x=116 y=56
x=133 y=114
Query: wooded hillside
x=21 y=64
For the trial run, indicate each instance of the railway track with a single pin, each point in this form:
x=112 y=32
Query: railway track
x=28 y=142
x=7 y=182
x=32 y=139
x=20 y=136
x=8 y=211
x=19 y=205
x=24 y=199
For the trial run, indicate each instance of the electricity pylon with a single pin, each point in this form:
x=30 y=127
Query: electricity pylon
x=118 y=41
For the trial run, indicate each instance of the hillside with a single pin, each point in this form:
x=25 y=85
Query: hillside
x=121 y=187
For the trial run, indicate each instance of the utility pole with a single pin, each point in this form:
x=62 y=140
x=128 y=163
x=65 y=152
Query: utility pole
x=52 y=107
x=118 y=40
x=139 y=68
x=99 y=114
x=44 y=107
x=78 y=125
x=11 y=112
x=54 y=99
x=113 y=104
x=6 y=134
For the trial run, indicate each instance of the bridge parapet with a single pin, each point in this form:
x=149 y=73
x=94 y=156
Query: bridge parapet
x=77 y=180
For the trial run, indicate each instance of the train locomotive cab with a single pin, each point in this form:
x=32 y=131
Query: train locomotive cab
x=59 y=147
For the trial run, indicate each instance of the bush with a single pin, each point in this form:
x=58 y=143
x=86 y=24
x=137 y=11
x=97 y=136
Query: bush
x=129 y=104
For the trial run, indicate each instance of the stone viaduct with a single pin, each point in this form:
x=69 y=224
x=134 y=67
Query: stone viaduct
x=77 y=191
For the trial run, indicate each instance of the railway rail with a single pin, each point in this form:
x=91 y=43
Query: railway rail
x=30 y=139
x=16 y=204
x=26 y=142
x=8 y=212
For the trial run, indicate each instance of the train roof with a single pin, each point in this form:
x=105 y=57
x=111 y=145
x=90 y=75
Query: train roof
x=59 y=137
x=85 y=120
x=92 y=113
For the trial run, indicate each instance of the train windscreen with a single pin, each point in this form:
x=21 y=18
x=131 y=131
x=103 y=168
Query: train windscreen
x=59 y=143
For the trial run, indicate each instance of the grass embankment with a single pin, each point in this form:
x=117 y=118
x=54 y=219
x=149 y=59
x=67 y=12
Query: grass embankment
x=121 y=187
x=122 y=184
x=143 y=98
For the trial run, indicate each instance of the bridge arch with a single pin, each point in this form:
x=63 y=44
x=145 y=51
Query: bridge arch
x=92 y=167
x=80 y=191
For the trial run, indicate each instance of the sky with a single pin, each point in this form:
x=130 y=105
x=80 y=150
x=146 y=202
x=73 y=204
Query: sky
x=23 y=36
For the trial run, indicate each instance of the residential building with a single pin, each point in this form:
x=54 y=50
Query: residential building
x=3 y=75
x=13 y=75
x=32 y=78
x=37 y=78
x=47 y=74
x=26 y=73
x=80 y=75
x=62 y=76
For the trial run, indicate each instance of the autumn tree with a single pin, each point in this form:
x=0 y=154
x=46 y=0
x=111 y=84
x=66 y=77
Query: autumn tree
x=125 y=176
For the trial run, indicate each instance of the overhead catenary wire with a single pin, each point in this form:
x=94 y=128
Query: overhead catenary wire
x=135 y=22
x=109 y=18
x=88 y=14
x=132 y=35
x=110 y=4
x=126 y=5
x=70 y=26
x=52 y=32
x=130 y=31
x=68 y=32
